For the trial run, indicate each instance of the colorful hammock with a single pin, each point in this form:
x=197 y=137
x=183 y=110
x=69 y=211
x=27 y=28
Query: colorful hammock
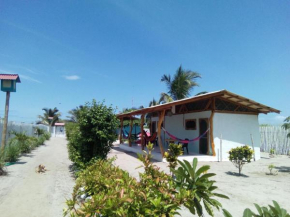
x=183 y=140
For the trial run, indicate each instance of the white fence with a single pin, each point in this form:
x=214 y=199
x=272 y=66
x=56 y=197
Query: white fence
x=275 y=137
x=29 y=129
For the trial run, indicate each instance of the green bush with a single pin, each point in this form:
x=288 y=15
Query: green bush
x=199 y=187
x=22 y=141
x=93 y=135
x=240 y=156
x=172 y=154
x=103 y=189
x=11 y=152
x=47 y=135
x=39 y=131
x=272 y=211
x=2 y=163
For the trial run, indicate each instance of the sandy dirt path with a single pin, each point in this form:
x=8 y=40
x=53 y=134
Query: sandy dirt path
x=254 y=187
x=23 y=192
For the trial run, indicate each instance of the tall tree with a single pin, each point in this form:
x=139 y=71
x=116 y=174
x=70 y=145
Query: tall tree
x=286 y=125
x=49 y=117
x=74 y=114
x=180 y=86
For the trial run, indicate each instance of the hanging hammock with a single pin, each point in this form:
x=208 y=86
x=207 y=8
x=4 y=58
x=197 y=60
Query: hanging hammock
x=183 y=140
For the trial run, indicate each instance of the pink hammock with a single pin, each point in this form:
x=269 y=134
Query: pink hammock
x=183 y=140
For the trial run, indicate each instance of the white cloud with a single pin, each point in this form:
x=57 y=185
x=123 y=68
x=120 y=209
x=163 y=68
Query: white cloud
x=72 y=77
x=29 y=78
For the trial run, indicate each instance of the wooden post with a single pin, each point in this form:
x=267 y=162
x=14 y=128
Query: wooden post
x=121 y=132
x=221 y=147
x=253 y=147
x=142 y=129
x=211 y=127
x=130 y=134
x=161 y=118
x=4 y=131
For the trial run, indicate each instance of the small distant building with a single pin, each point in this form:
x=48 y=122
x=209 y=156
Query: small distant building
x=59 y=130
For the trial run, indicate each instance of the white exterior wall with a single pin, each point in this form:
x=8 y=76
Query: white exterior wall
x=236 y=130
x=176 y=126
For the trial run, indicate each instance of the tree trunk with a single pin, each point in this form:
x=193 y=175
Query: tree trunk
x=4 y=131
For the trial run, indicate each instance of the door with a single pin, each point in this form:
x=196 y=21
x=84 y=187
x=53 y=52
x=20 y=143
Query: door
x=203 y=141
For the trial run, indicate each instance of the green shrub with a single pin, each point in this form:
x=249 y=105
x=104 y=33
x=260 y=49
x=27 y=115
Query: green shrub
x=22 y=141
x=93 y=135
x=272 y=151
x=199 y=187
x=11 y=152
x=240 y=156
x=39 y=131
x=172 y=154
x=103 y=189
x=47 y=135
x=2 y=163
x=272 y=211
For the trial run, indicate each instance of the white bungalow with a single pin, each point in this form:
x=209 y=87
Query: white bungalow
x=231 y=121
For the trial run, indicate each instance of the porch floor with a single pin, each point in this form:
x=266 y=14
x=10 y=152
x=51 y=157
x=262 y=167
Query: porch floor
x=156 y=154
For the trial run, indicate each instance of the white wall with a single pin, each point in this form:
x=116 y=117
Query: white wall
x=58 y=131
x=176 y=126
x=236 y=130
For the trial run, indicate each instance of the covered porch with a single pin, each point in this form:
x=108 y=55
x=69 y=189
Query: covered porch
x=156 y=153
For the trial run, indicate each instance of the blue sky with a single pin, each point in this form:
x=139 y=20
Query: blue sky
x=69 y=52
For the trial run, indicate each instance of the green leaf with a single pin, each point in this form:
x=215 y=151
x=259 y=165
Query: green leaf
x=247 y=213
x=226 y=213
x=202 y=169
x=221 y=195
x=259 y=209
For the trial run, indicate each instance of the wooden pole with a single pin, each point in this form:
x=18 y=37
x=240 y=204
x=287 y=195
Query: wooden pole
x=253 y=146
x=121 y=132
x=142 y=129
x=161 y=118
x=221 y=147
x=4 y=131
x=211 y=128
x=130 y=134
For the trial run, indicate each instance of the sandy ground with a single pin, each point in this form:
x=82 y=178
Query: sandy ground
x=253 y=187
x=23 y=192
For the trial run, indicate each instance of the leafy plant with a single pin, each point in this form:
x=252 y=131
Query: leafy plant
x=272 y=151
x=2 y=163
x=93 y=135
x=39 y=131
x=103 y=189
x=272 y=211
x=22 y=141
x=198 y=186
x=240 y=156
x=11 y=152
x=172 y=154
x=271 y=167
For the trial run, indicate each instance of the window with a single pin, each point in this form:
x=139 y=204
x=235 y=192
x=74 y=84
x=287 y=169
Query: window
x=190 y=124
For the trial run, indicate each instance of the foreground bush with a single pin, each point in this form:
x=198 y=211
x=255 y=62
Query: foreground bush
x=93 y=135
x=11 y=152
x=22 y=141
x=105 y=190
x=2 y=163
x=240 y=156
x=272 y=211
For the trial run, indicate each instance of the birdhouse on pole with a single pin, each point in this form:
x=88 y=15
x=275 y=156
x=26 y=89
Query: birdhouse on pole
x=8 y=82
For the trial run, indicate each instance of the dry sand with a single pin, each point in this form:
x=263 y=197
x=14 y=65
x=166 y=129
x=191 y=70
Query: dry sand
x=25 y=193
x=253 y=187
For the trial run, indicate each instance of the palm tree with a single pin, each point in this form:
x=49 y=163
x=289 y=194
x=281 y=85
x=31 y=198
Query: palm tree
x=286 y=125
x=180 y=86
x=50 y=117
x=74 y=114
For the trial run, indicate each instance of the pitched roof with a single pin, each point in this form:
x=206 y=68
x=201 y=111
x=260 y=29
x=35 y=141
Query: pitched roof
x=14 y=77
x=59 y=124
x=223 y=94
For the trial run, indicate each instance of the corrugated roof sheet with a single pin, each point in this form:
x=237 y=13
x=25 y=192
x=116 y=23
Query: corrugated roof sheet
x=14 y=77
